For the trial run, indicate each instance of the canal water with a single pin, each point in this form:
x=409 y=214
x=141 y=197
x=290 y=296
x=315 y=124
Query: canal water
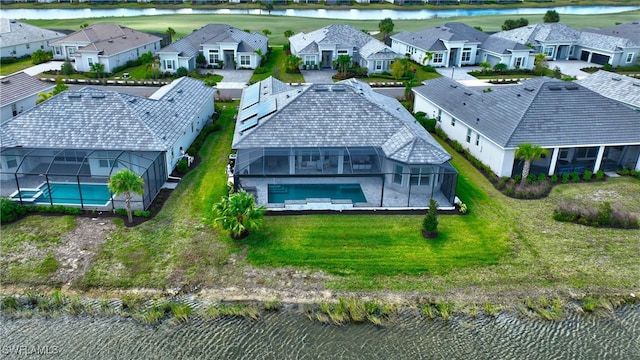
x=290 y=335
x=346 y=14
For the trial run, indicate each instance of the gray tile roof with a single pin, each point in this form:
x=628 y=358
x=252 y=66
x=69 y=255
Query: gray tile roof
x=502 y=46
x=430 y=39
x=99 y=119
x=614 y=86
x=348 y=113
x=212 y=34
x=544 y=32
x=108 y=39
x=19 y=86
x=630 y=31
x=542 y=111
x=14 y=33
x=342 y=35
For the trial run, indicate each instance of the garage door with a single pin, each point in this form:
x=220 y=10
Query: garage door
x=599 y=59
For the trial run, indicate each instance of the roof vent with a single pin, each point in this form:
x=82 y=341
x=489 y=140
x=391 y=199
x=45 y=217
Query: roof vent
x=180 y=91
x=616 y=78
x=518 y=95
x=453 y=86
x=170 y=99
x=571 y=87
x=133 y=100
x=75 y=96
x=5 y=81
x=554 y=87
x=636 y=84
x=97 y=96
x=529 y=89
x=338 y=89
x=469 y=93
x=321 y=89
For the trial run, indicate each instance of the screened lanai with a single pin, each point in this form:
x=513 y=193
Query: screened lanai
x=74 y=177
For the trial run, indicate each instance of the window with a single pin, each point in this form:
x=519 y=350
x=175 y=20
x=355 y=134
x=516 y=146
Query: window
x=11 y=161
x=453 y=121
x=104 y=163
x=469 y=132
x=309 y=59
x=14 y=109
x=519 y=62
x=57 y=50
x=343 y=52
x=213 y=57
x=477 y=139
x=571 y=50
x=548 y=50
x=377 y=65
x=437 y=58
x=466 y=55
x=28 y=46
x=245 y=60
x=169 y=64
x=420 y=176
x=630 y=57
x=397 y=175
x=71 y=50
x=439 y=115
x=138 y=51
x=587 y=153
x=90 y=61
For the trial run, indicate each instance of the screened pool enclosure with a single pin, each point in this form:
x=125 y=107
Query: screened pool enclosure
x=73 y=177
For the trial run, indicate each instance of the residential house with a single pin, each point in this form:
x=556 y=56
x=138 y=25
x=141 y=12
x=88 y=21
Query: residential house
x=320 y=48
x=615 y=46
x=618 y=87
x=74 y=141
x=220 y=44
x=583 y=130
x=336 y=146
x=18 y=39
x=19 y=93
x=109 y=44
x=457 y=44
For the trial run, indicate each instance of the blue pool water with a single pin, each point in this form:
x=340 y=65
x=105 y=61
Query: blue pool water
x=278 y=193
x=69 y=194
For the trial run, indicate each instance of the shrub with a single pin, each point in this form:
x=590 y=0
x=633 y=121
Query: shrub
x=542 y=177
x=587 y=175
x=121 y=212
x=182 y=166
x=605 y=215
x=8 y=60
x=599 y=175
x=428 y=68
x=430 y=221
x=554 y=178
x=182 y=71
x=575 y=177
x=141 y=213
x=565 y=178
x=261 y=70
x=10 y=210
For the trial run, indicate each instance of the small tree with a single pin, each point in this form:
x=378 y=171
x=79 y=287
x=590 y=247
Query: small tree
x=67 y=68
x=529 y=153
x=430 y=222
x=171 y=33
x=98 y=69
x=266 y=32
x=500 y=67
x=41 y=56
x=288 y=33
x=342 y=63
x=485 y=66
x=428 y=55
x=182 y=71
x=201 y=60
x=551 y=16
x=238 y=214
x=268 y=7
x=60 y=87
x=146 y=58
x=540 y=64
x=126 y=182
x=292 y=63
x=386 y=28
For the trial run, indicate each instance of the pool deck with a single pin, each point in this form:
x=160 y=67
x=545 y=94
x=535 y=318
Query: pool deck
x=371 y=186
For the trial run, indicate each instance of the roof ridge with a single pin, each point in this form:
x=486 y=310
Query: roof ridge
x=528 y=108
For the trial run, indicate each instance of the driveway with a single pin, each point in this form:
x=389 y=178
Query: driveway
x=321 y=76
x=233 y=79
x=572 y=67
x=458 y=73
x=37 y=69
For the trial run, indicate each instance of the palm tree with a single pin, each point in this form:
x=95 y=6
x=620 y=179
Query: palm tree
x=292 y=63
x=428 y=55
x=238 y=214
x=529 y=153
x=98 y=69
x=171 y=33
x=126 y=182
x=408 y=85
x=342 y=63
x=266 y=32
x=288 y=33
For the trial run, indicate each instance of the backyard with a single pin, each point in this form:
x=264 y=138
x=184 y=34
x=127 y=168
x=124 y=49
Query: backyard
x=503 y=250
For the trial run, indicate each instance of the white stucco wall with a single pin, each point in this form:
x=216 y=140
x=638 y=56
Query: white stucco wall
x=25 y=49
x=22 y=105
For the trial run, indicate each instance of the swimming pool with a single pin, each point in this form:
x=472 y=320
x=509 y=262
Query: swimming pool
x=278 y=193
x=66 y=194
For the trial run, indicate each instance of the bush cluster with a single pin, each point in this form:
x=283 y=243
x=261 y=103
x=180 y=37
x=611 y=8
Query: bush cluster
x=128 y=64
x=182 y=166
x=535 y=188
x=429 y=124
x=605 y=215
x=137 y=213
x=632 y=173
x=200 y=139
x=12 y=210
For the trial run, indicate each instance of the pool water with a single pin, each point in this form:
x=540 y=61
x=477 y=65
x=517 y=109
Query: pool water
x=278 y=193
x=67 y=194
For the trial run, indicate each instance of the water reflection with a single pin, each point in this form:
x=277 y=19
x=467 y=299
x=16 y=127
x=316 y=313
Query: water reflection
x=346 y=14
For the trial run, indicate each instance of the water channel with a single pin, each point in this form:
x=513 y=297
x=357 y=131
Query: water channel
x=346 y=14
x=289 y=335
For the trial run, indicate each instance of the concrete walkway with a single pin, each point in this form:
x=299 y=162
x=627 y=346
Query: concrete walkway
x=37 y=69
x=572 y=67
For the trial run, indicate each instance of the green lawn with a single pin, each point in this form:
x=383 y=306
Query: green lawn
x=19 y=65
x=185 y=24
x=275 y=66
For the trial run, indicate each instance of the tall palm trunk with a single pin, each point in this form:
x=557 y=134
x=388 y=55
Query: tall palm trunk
x=525 y=172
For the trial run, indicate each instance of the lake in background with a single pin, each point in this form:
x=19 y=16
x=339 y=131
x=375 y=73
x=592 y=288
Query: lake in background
x=347 y=14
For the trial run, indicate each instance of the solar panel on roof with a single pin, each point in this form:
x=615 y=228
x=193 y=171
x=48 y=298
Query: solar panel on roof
x=267 y=107
x=251 y=95
x=249 y=124
x=248 y=112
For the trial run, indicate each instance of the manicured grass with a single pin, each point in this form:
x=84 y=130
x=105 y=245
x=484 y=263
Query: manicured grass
x=276 y=65
x=185 y=24
x=19 y=65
